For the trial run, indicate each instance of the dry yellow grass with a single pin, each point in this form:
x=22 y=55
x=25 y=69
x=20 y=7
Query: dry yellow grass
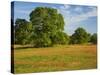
x=67 y=57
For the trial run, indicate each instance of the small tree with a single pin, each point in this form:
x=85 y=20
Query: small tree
x=22 y=31
x=80 y=36
x=94 y=38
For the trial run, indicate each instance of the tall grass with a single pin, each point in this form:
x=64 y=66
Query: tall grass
x=58 y=58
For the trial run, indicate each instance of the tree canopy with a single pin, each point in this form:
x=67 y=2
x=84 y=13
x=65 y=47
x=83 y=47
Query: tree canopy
x=45 y=28
x=22 y=31
x=48 y=26
x=94 y=38
x=80 y=36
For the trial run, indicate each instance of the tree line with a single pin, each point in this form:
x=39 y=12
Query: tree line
x=46 y=28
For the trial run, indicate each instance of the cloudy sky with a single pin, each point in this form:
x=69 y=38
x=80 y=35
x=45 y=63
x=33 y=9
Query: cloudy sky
x=74 y=15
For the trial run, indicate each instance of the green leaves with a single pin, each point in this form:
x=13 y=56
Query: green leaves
x=60 y=38
x=80 y=36
x=47 y=22
x=22 y=31
x=94 y=38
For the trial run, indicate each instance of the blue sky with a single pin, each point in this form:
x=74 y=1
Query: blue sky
x=74 y=15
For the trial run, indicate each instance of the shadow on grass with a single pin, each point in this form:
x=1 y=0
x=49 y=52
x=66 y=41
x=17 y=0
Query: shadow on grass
x=26 y=47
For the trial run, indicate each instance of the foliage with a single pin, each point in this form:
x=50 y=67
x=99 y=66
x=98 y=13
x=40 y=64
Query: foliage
x=48 y=25
x=60 y=38
x=80 y=36
x=22 y=31
x=94 y=38
x=46 y=28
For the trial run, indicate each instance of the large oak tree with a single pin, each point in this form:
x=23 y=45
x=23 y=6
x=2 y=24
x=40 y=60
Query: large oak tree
x=48 y=26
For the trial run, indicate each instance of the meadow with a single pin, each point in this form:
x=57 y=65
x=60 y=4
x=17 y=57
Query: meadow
x=57 y=58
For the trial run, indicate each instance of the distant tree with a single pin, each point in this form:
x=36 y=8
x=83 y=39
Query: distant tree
x=94 y=38
x=89 y=38
x=22 y=31
x=80 y=36
x=48 y=26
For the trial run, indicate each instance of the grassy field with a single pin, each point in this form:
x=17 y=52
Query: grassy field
x=59 y=58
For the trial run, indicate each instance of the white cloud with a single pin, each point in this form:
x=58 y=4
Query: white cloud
x=83 y=16
x=64 y=10
x=78 y=9
x=77 y=19
x=72 y=19
x=65 y=7
x=22 y=11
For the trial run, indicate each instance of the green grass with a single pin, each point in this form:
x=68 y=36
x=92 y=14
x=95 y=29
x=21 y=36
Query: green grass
x=59 y=58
